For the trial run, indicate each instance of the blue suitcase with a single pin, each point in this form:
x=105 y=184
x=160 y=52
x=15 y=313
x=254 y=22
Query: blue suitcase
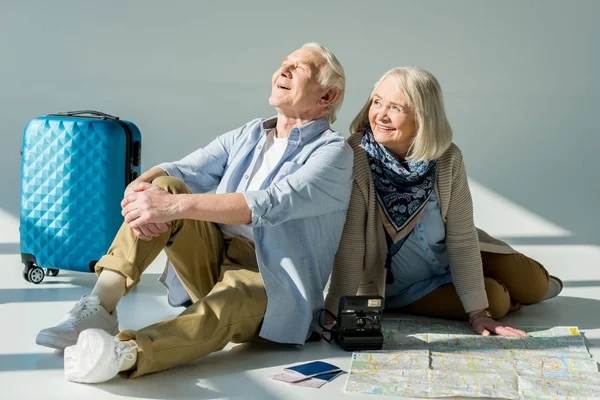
x=75 y=168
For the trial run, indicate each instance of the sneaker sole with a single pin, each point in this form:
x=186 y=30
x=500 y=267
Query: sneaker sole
x=557 y=285
x=72 y=358
x=53 y=342
x=59 y=343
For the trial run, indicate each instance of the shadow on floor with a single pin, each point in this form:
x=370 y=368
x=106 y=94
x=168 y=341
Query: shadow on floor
x=560 y=311
x=592 y=343
x=79 y=284
x=225 y=374
x=230 y=374
x=31 y=361
x=572 y=240
x=571 y=284
x=10 y=248
x=41 y=294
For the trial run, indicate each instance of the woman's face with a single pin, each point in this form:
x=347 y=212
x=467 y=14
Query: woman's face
x=392 y=121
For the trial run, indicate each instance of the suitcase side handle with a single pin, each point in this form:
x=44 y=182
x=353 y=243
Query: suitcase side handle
x=90 y=112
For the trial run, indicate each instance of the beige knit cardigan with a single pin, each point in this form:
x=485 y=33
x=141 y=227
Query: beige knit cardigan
x=359 y=265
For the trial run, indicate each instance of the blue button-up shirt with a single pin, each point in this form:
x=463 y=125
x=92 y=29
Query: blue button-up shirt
x=421 y=265
x=298 y=213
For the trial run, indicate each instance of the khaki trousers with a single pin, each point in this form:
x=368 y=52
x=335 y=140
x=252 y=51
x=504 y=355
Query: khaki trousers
x=221 y=278
x=511 y=280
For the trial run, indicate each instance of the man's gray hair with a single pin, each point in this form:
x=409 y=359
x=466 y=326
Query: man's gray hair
x=330 y=75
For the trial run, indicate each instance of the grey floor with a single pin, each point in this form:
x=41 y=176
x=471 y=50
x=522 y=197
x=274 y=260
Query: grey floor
x=28 y=371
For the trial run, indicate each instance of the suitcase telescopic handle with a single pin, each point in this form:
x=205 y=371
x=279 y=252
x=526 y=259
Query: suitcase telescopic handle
x=90 y=112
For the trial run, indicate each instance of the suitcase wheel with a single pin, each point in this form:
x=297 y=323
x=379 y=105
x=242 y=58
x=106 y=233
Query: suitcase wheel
x=26 y=269
x=34 y=274
x=51 y=272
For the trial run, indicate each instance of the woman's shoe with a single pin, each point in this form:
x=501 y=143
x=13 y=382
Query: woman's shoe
x=554 y=288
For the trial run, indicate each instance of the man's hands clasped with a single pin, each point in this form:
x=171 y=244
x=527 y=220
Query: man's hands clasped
x=148 y=210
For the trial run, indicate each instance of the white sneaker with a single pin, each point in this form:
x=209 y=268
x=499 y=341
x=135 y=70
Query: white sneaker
x=555 y=286
x=86 y=314
x=97 y=357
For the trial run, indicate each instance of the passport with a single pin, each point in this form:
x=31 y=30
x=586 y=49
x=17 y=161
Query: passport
x=313 y=368
x=313 y=374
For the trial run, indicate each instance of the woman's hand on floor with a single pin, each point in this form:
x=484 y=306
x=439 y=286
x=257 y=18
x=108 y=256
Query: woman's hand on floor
x=487 y=326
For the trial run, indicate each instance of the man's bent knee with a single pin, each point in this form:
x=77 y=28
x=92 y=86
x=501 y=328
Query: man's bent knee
x=171 y=184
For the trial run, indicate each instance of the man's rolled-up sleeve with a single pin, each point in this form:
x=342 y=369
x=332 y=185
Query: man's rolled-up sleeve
x=321 y=186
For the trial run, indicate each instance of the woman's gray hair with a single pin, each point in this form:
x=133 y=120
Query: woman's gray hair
x=424 y=96
x=330 y=75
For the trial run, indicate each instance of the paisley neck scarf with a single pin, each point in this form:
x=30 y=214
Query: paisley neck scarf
x=403 y=188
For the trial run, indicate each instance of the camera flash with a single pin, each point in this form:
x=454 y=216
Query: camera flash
x=374 y=303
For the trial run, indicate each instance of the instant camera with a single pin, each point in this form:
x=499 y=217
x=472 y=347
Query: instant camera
x=358 y=324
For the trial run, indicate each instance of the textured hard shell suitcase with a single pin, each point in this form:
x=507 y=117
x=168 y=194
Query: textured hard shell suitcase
x=75 y=168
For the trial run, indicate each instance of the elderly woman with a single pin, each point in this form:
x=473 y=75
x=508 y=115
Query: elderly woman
x=409 y=233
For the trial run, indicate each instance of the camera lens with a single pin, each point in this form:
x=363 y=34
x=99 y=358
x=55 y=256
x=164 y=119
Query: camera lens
x=360 y=322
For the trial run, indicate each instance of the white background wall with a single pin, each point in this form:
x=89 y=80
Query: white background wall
x=519 y=76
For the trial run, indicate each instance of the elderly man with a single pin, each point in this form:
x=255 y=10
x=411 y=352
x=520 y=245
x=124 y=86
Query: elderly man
x=250 y=260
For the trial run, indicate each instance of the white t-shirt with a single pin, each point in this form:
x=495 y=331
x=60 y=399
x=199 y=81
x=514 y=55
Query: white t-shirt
x=270 y=155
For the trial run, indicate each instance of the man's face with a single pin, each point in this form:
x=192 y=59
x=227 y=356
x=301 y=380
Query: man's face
x=295 y=90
